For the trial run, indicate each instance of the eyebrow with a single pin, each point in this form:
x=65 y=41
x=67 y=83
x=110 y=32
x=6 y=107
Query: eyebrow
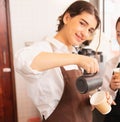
x=87 y=24
x=85 y=21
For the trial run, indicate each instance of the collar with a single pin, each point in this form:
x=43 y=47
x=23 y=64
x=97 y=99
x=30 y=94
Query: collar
x=59 y=46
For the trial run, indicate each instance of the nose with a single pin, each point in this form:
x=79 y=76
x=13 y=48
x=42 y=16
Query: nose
x=85 y=33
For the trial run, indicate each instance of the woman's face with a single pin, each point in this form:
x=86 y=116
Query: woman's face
x=79 y=28
x=118 y=32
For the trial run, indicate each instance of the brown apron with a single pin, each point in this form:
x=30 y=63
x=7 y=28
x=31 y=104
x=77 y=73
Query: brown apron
x=73 y=106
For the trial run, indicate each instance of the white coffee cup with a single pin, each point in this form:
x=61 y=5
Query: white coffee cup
x=99 y=101
x=116 y=71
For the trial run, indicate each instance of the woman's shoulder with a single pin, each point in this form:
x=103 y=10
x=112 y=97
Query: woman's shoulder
x=113 y=61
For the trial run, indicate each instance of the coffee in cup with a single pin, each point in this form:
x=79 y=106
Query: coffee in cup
x=99 y=101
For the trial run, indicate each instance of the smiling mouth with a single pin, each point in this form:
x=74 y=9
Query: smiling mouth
x=79 y=39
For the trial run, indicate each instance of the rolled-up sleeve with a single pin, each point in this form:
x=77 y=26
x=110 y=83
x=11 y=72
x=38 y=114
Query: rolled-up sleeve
x=25 y=56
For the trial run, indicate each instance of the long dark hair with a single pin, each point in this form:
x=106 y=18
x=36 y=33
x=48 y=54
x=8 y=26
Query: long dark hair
x=77 y=8
x=118 y=20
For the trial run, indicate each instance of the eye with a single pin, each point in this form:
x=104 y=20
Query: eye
x=91 y=31
x=118 y=33
x=82 y=23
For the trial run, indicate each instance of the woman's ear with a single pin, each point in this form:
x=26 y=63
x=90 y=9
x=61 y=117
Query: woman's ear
x=66 y=18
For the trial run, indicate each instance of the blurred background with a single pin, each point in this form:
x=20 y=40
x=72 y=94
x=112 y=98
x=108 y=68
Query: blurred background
x=33 y=20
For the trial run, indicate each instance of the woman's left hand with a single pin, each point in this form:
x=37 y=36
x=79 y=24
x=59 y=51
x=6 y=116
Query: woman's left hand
x=109 y=99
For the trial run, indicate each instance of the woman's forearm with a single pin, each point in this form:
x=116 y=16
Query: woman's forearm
x=46 y=60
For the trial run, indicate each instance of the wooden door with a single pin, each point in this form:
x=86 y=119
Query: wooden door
x=8 y=111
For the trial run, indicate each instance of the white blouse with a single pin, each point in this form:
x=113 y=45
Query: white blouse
x=45 y=88
x=109 y=66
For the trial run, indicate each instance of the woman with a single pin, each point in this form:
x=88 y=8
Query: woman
x=112 y=82
x=52 y=66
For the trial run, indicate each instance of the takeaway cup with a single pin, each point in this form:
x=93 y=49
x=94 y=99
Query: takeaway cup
x=116 y=71
x=99 y=101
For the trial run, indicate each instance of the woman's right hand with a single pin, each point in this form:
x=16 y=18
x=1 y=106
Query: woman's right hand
x=90 y=64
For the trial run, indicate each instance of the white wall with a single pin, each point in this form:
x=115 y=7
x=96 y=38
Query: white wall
x=33 y=19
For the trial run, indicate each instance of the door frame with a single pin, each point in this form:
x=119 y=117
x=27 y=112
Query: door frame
x=11 y=59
